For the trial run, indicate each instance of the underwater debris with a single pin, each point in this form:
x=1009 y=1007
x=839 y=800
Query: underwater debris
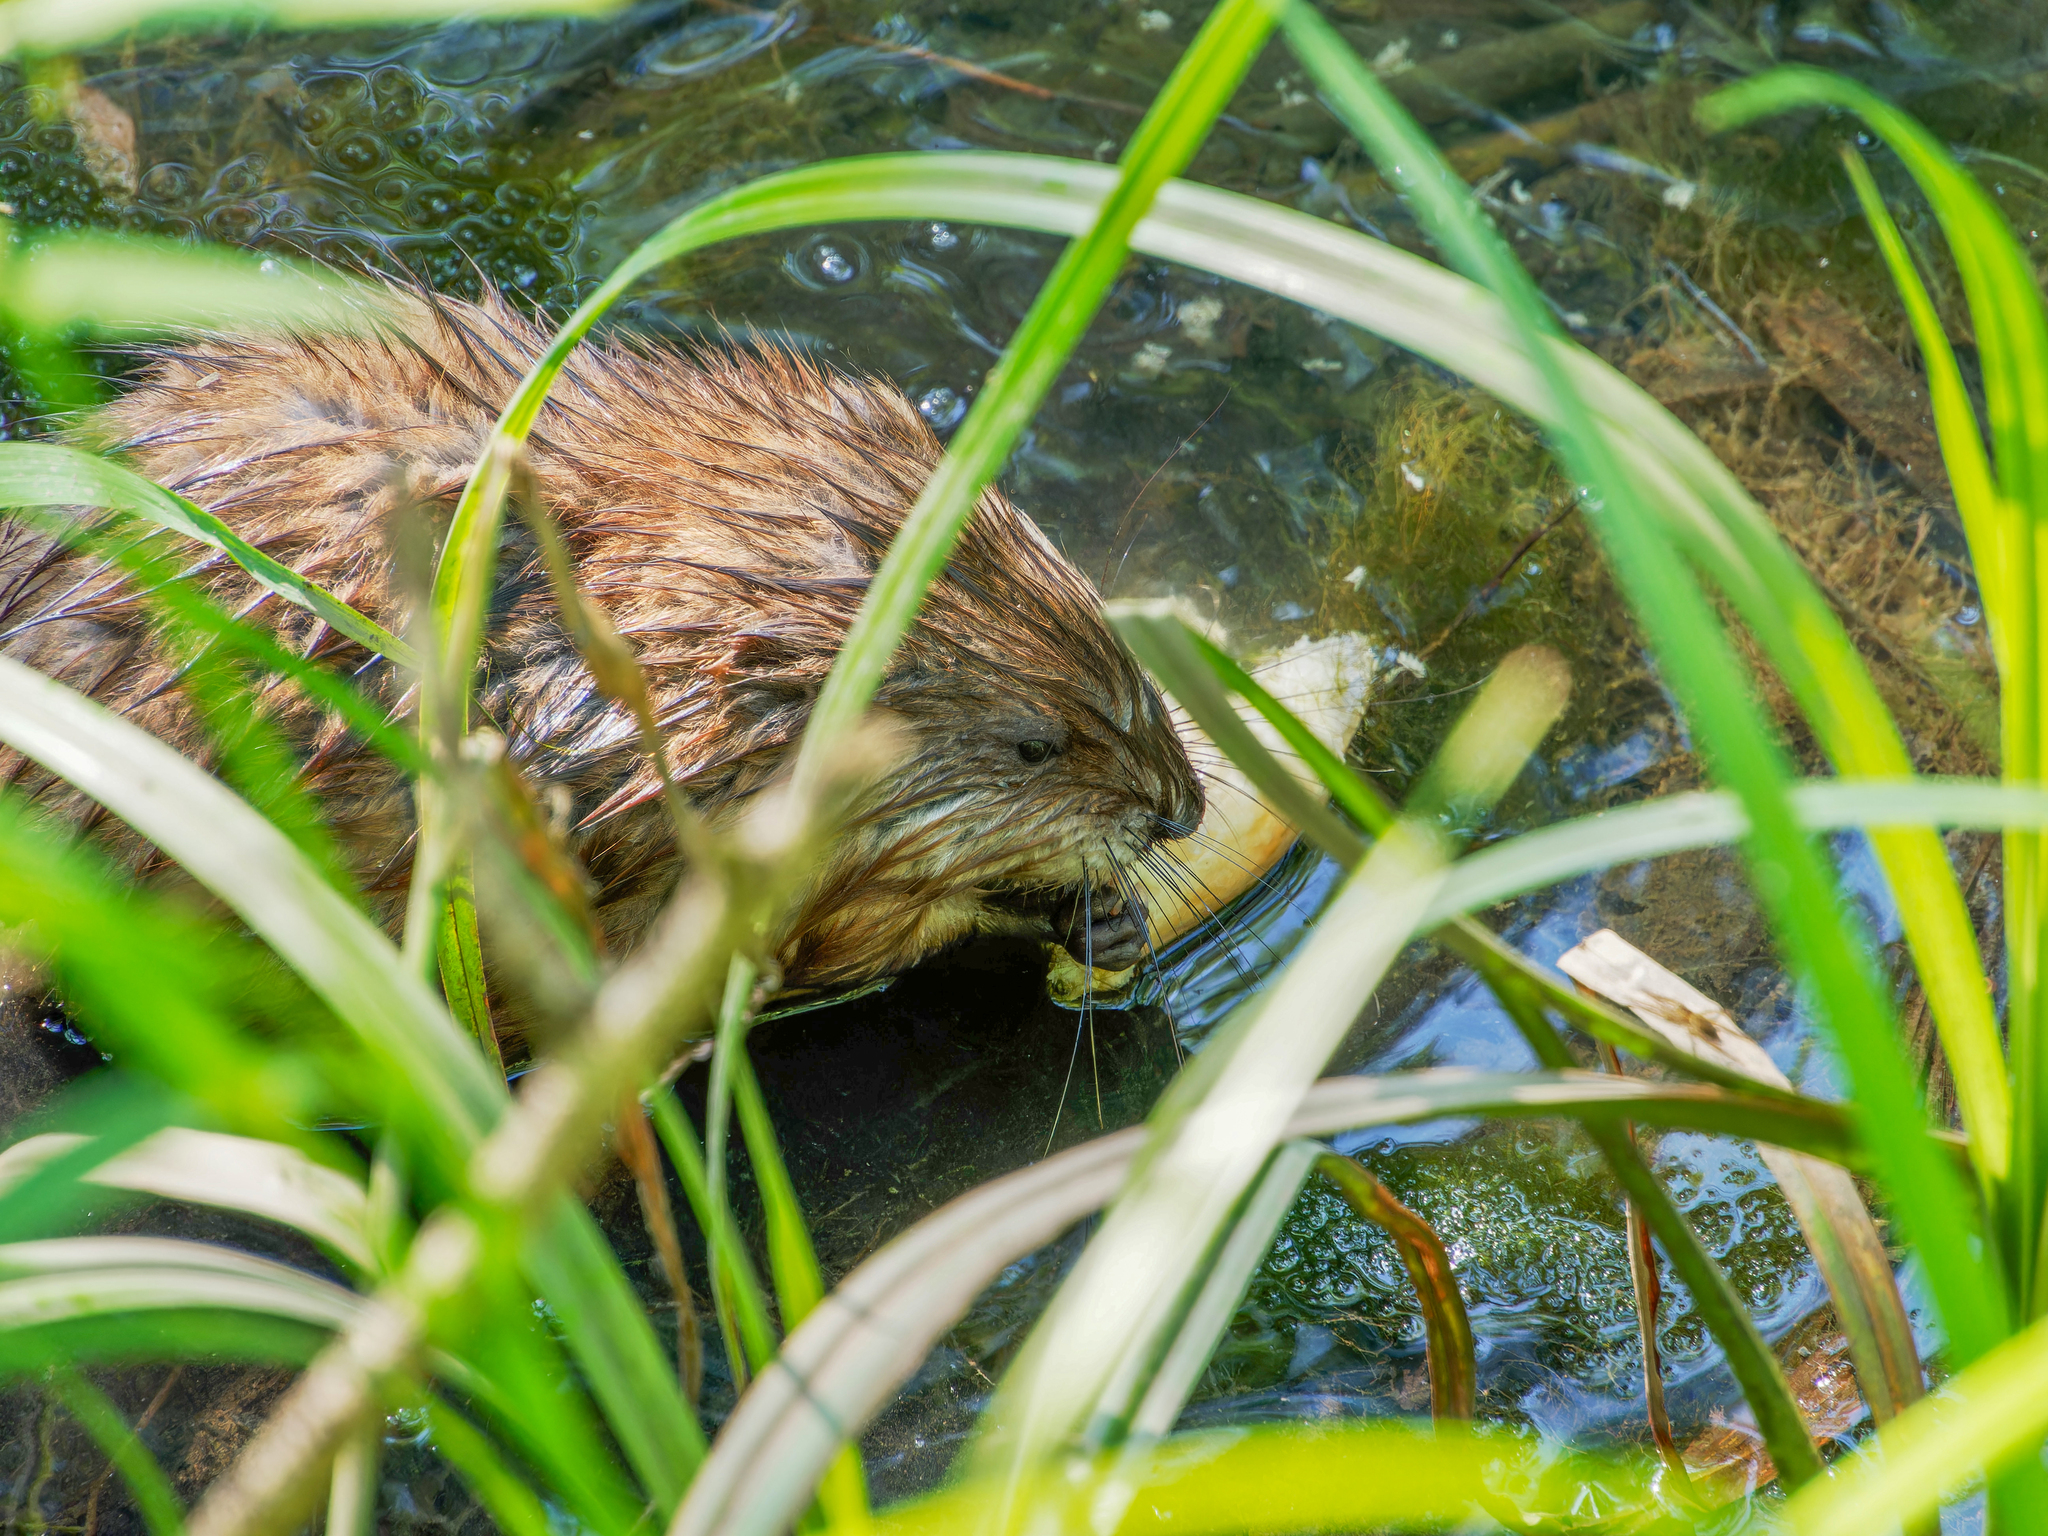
x=1886 y=404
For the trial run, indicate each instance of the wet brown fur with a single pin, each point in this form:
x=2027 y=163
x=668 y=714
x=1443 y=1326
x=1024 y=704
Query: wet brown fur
x=727 y=508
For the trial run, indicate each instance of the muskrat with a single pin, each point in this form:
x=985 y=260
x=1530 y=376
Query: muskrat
x=727 y=506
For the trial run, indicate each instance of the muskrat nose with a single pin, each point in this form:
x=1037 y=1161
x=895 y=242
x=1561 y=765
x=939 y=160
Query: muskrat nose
x=1182 y=800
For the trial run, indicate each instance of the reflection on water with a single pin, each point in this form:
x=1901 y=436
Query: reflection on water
x=1285 y=472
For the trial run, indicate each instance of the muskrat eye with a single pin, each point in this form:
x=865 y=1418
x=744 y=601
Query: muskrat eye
x=1034 y=750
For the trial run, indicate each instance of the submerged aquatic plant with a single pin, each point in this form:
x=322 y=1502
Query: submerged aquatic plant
x=238 y=1039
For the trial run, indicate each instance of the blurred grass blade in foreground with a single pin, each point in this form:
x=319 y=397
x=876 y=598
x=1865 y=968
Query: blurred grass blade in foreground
x=51 y=475
x=60 y=26
x=873 y=1331
x=134 y=283
x=1226 y=1112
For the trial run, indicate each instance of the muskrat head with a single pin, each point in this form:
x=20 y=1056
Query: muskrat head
x=735 y=543
x=1042 y=768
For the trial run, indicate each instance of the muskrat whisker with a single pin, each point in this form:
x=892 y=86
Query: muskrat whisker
x=1175 y=875
x=1220 y=904
x=1130 y=894
x=1262 y=880
x=1215 y=783
x=1088 y=985
x=1110 y=588
x=1170 y=874
x=1171 y=977
x=1215 y=757
x=1086 y=1020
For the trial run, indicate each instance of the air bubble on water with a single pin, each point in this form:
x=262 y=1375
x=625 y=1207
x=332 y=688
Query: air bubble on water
x=941 y=237
x=832 y=265
x=942 y=407
x=1968 y=614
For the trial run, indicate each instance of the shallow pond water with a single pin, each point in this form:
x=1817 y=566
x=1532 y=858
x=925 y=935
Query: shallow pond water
x=1285 y=472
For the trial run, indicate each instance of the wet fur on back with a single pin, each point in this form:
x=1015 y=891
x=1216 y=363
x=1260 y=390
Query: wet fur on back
x=728 y=508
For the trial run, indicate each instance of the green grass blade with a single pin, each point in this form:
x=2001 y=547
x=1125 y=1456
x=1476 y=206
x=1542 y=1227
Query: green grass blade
x=1377 y=1475
x=87 y=1277
x=207 y=1335
x=729 y=1045
x=1146 y=1411
x=514 y=1507
x=799 y=1283
x=607 y=1331
x=742 y=1304
x=252 y=755
x=1792 y=879
x=1704 y=818
x=512 y=1375
x=1214 y=1130
x=1988 y=1418
x=1725 y=1312
x=131 y=283
x=353 y=1483
x=269 y=883
x=151 y=983
x=1360 y=801
x=51 y=475
x=2011 y=328
x=1184 y=662
x=1173 y=128
x=1997 y=279
x=1168 y=648
x=63 y=26
x=1955 y=418
x=241 y=1173
x=251 y=866
x=1186 y=673
x=459 y=951
x=151 y=1489
x=874 y=1329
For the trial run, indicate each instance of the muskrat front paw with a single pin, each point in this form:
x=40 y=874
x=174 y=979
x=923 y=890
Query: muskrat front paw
x=1105 y=932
